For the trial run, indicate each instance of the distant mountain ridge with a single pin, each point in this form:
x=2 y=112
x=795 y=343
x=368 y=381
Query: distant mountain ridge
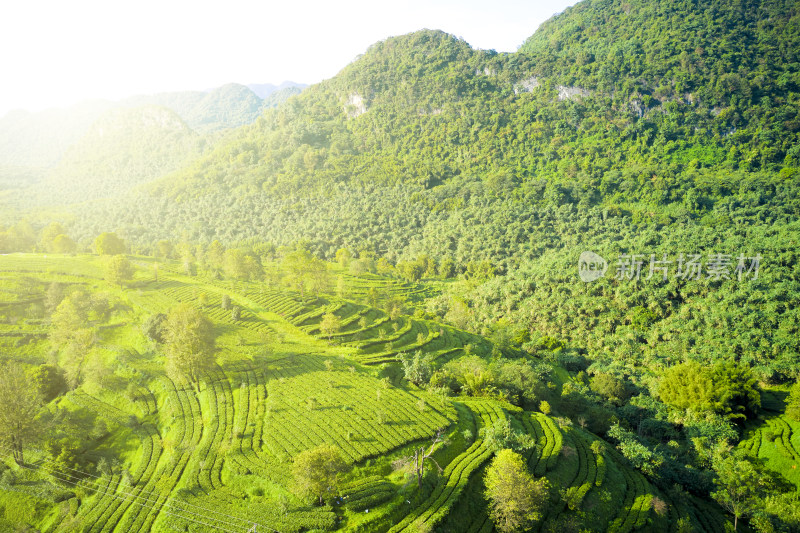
x=264 y=90
x=39 y=139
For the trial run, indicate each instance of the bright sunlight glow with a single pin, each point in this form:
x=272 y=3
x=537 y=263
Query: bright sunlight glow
x=56 y=53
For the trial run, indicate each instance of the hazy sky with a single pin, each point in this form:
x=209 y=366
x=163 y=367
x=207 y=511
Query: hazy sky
x=57 y=52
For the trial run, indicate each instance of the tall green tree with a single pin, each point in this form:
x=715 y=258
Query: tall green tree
x=188 y=342
x=742 y=482
x=163 y=249
x=516 y=499
x=49 y=234
x=316 y=471
x=49 y=380
x=417 y=367
x=343 y=257
x=108 y=243
x=610 y=387
x=726 y=388
x=72 y=334
x=53 y=296
x=412 y=271
x=500 y=435
x=63 y=244
x=20 y=404
x=154 y=327
x=118 y=270
x=239 y=264
x=305 y=272
x=214 y=256
x=330 y=324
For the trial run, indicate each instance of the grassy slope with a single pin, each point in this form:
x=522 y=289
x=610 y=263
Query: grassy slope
x=218 y=457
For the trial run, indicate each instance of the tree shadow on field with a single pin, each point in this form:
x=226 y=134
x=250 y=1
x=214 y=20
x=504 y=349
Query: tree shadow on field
x=774 y=400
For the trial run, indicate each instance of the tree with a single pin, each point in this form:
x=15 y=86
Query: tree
x=109 y=244
x=417 y=368
x=49 y=234
x=500 y=435
x=316 y=471
x=214 y=255
x=447 y=268
x=415 y=463
x=19 y=407
x=188 y=342
x=22 y=236
x=304 y=271
x=729 y=389
x=118 y=270
x=741 y=482
x=738 y=393
x=384 y=267
x=241 y=265
x=412 y=271
x=62 y=244
x=330 y=324
x=343 y=257
x=634 y=451
x=186 y=253
x=74 y=354
x=516 y=500
x=49 y=381
x=153 y=327
x=71 y=333
x=610 y=387
x=544 y=407
x=686 y=386
x=163 y=249
x=53 y=296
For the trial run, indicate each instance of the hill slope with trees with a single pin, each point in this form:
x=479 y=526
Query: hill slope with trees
x=662 y=137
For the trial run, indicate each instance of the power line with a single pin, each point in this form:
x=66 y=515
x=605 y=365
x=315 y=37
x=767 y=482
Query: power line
x=156 y=494
x=116 y=496
x=139 y=494
x=62 y=476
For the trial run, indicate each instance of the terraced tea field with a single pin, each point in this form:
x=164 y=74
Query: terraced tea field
x=777 y=442
x=160 y=453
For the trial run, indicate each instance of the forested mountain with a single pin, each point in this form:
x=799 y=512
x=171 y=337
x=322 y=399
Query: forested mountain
x=228 y=106
x=265 y=90
x=39 y=139
x=428 y=98
x=123 y=148
x=641 y=116
x=35 y=141
x=225 y=107
x=424 y=145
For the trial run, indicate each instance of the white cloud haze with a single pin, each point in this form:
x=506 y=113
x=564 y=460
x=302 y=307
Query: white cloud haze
x=56 y=53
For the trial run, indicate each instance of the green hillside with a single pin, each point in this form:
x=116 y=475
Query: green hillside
x=393 y=262
x=122 y=149
x=37 y=141
x=140 y=448
x=228 y=106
